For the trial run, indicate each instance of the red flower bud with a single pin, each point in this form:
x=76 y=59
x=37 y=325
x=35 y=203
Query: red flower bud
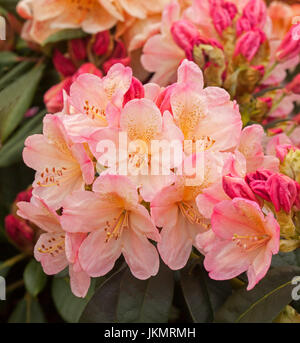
x=294 y=85
x=19 y=232
x=101 y=44
x=290 y=45
x=256 y=12
x=221 y=18
x=249 y=43
x=236 y=187
x=136 y=91
x=78 y=49
x=282 y=191
x=185 y=34
x=63 y=64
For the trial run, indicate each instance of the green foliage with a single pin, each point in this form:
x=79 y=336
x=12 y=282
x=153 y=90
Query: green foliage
x=15 y=100
x=34 y=277
x=124 y=299
x=264 y=302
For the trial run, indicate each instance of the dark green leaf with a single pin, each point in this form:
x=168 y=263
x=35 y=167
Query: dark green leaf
x=28 y=310
x=8 y=58
x=67 y=304
x=64 y=35
x=16 y=98
x=34 y=278
x=124 y=299
x=11 y=152
x=14 y=73
x=264 y=302
x=203 y=295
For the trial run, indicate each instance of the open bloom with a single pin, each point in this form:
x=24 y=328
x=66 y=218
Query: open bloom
x=46 y=17
x=245 y=241
x=174 y=208
x=117 y=223
x=55 y=248
x=95 y=102
x=61 y=166
x=206 y=116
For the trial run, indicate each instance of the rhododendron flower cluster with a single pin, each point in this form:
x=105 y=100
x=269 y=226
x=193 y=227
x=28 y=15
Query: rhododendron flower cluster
x=96 y=194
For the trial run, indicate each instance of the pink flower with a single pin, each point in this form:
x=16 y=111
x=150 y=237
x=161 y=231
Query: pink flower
x=91 y=97
x=53 y=98
x=174 y=209
x=136 y=91
x=141 y=122
x=283 y=150
x=61 y=165
x=55 y=248
x=205 y=115
x=251 y=147
x=117 y=223
x=245 y=241
x=47 y=17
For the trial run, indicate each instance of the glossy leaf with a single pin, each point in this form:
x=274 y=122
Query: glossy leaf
x=11 y=152
x=28 y=310
x=34 y=277
x=125 y=299
x=66 y=34
x=202 y=295
x=264 y=302
x=16 y=98
x=67 y=304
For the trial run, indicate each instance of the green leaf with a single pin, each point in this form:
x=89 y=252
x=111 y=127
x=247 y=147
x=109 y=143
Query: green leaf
x=124 y=299
x=264 y=302
x=64 y=35
x=14 y=73
x=202 y=295
x=28 y=310
x=11 y=152
x=16 y=98
x=9 y=5
x=8 y=58
x=67 y=304
x=34 y=278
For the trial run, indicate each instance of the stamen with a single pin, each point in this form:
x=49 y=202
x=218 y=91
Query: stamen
x=250 y=242
x=55 y=247
x=191 y=213
x=119 y=224
x=93 y=111
x=50 y=177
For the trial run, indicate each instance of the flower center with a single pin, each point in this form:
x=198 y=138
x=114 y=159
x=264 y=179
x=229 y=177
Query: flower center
x=50 y=177
x=93 y=111
x=115 y=228
x=250 y=242
x=54 y=246
x=190 y=213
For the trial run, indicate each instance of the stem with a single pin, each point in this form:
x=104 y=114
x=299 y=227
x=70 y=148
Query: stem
x=277 y=103
x=10 y=262
x=269 y=72
x=14 y=286
x=264 y=91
